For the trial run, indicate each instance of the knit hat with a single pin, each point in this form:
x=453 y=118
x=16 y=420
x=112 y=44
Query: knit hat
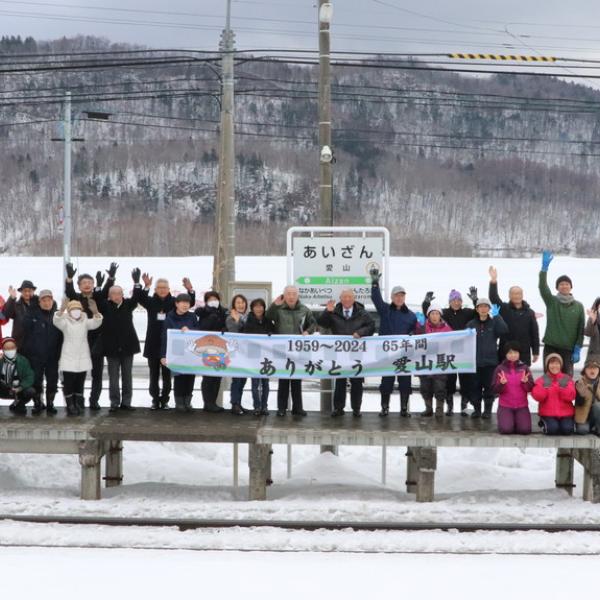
x=44 y=294
x=8 y=339
x=211 y=294
x=84 y=276
x=563 y=278
x=454 y=295
x=481 y=301
x=433 y=308
x=183 y=298
x=398 y=289
x=512 y=346
x=590 y=362
x=74 y=304
x=553 y=356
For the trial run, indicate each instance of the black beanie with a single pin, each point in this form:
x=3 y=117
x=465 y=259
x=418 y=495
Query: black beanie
x=512 y=346
x=563 y=278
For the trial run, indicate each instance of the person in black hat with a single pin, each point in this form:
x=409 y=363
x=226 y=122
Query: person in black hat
x=16 y=309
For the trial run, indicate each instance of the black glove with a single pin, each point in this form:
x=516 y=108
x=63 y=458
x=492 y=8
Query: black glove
x=429 y=297
x=375 y=274
x=112 y=270
x=135 y=275
x=473 y=294
x=70 y=270
x=99 y=279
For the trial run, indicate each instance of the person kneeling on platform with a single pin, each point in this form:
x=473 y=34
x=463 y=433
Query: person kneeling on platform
x=512 y=382
x=16 y=377
x=347 y=317
x=433 y=385
x=587 y=400
x=555 y=391
x=180 y=318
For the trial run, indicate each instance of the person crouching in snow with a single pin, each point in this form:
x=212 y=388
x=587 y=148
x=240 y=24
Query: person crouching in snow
x=587 y=400
x=512 y=382
x=16 y=377
x=555 y=391
x=434 y=385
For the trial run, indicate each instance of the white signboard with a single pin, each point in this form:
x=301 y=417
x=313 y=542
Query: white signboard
x=323 y=263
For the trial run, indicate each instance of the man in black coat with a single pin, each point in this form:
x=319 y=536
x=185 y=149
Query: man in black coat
x=157 y=306
x=17 y=309
x=119 y=340
x=457 y=317
x=520 y=318
x=347 y=317
x=85 y=294
x=211 y=317
x=42 y=345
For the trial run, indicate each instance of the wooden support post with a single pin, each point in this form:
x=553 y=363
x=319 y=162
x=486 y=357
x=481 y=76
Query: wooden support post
x=258 y=459
x=564 y=469
x=270 y=466
x=411 y=471
x=236 y=465
x=90 y=455
x=383 y=464
x=113 y=474
x=426 y=459
x=590 y=460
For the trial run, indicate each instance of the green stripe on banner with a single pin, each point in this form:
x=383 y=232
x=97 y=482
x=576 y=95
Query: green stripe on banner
x=333 y=280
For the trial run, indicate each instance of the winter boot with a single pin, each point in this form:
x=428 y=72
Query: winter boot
x=20 y=407
x=164 y=403
x=404 y=398
x=80 y=401
x=155 y=404
x=213 y=407
x=450 y=406
x=50 y=410
x=487 y=408
x=385 y=404
x=38 y=405
x=94 y=405
x=464 y=403
x=180 y=403
x=187 y=403
x=439 y=407
x=476 y=414
x=428 y=412
x=72 y=407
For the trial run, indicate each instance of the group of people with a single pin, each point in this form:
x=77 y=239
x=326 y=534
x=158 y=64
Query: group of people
x=96 y=323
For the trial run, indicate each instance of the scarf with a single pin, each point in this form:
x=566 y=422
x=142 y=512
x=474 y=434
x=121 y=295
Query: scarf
x=565 y=298
x=7 y=371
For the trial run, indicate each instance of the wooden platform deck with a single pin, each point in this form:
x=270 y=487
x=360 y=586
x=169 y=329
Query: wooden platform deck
x=94 y=436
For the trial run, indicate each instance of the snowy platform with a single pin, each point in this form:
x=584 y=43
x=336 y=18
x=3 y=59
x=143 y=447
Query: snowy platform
x=94 y=436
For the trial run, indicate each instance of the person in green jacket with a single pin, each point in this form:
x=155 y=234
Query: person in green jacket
x=290 y=317
x=16 y=377
x=565 y=318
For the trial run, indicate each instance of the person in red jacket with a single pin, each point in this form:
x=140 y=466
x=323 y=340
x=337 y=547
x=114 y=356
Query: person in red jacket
x=555 y=391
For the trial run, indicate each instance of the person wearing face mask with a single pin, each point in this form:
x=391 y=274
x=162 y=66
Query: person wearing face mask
x=16 y=377
x=157 y=307
x=457 y=316
x=119 y=340
x=75 y=356
x=85 y=283
x=42 y=346
x=211 y=317
x=17 y=309
x=565 y=319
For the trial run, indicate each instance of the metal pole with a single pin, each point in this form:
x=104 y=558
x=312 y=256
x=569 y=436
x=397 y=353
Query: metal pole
x=224 y=259
x=67 y=224
x=326 y=171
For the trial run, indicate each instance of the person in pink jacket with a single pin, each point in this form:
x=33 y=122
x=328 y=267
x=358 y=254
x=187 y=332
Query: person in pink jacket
x=555 y=391
x=512 y=382
x=434 y=385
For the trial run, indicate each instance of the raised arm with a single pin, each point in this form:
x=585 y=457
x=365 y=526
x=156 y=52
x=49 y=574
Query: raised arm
x=493 y=291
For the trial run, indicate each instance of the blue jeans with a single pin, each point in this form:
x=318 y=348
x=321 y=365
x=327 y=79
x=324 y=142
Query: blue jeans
x=260 y=393
x=558 y=426
x=237 y=389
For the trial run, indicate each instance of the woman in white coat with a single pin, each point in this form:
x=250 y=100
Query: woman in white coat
x=75 y=360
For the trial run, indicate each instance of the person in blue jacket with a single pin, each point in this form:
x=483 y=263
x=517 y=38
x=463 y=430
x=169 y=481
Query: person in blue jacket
x=180 y=318
x=395 y=318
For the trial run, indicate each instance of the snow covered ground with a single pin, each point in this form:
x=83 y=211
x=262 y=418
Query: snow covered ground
x=186 y=480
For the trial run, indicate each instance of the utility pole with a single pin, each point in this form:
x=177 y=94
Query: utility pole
x=325 y=159
x=67 y=224
x=224 y=255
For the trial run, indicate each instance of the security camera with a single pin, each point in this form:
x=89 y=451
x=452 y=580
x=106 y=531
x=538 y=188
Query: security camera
x=326 y=154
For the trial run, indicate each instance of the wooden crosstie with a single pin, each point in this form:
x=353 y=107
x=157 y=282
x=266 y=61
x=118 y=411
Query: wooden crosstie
x=96 y=436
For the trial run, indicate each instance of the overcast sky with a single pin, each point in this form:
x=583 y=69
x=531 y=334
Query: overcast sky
x=551 y=27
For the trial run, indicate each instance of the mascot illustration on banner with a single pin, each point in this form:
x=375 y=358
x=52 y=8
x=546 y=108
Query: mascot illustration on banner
x=213 y=350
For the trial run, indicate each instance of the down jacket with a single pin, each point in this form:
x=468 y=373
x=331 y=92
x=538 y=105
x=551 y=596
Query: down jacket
x=513 y=393
x=75 y=353
x=555 y=393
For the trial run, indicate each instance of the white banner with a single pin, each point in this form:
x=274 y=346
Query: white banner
x=319 y=356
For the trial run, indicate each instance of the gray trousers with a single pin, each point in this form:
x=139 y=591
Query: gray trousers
x=119 y=368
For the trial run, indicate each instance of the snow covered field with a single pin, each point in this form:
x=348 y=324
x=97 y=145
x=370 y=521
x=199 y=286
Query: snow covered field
x=186 y=480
